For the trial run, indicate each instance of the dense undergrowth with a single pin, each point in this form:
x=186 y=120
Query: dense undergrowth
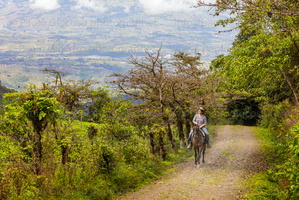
x=46 y=153
x=280 y=145
x=98 y=168
x=67 y=140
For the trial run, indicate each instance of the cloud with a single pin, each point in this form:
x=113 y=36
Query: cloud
x=162 y=6
x=46 y=5
x=89 y=4
x=127 y=9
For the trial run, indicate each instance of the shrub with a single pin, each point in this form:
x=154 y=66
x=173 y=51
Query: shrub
x=273 y=115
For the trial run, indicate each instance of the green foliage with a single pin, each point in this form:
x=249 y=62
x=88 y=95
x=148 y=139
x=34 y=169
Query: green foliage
x=37 y=106
x=287 y=173
x=262 y=65
x=261 y=185
x=16 y=178
x=3 y=90
x=272 y=116
x=100 y=100
x=280 y=149
x=81 y=160
x=262 y=188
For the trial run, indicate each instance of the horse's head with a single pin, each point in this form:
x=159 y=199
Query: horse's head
x=196 y=129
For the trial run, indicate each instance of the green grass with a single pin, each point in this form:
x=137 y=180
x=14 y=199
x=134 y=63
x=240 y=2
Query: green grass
x=260 y=185
x=226 y=153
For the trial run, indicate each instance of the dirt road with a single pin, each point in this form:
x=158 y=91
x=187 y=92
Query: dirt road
x=235 y=156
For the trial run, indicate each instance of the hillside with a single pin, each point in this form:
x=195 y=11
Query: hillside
x=3 y=90
x=91 y=41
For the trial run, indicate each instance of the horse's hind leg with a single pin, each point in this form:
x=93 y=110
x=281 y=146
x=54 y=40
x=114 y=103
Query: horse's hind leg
x=197 y=156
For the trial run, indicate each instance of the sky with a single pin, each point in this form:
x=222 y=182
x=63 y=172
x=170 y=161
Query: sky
x=152 y=7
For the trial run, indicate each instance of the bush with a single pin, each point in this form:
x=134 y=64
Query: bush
x=273 y=115
x=281 y=180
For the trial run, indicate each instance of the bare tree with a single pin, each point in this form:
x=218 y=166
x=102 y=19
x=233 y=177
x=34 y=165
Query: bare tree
x=149 y=81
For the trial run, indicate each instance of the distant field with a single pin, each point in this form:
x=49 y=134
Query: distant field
x=91 y=45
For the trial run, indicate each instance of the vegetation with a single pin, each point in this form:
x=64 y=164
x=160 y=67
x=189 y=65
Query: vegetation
x=67 y=140
x=56 y=137
x=260 y=76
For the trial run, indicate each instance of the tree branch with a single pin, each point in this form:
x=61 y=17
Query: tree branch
x=279 y=9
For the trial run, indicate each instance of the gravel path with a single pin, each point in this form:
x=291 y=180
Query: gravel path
x=235 y=155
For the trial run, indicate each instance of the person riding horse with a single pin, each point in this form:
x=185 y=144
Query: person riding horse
x=200 y=120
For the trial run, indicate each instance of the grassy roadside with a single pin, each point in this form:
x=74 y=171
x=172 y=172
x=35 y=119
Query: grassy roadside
x=260 y=185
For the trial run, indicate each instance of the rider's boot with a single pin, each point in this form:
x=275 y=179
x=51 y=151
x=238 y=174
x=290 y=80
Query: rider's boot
x=209 y=144
x=208 y=141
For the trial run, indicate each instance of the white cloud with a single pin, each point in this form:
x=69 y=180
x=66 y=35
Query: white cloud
x=44 y=4
x=127 y=9
x=208 y=1
x=162 y=6
x=90 y=4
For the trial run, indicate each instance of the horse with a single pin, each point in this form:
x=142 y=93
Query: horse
x=199 y=144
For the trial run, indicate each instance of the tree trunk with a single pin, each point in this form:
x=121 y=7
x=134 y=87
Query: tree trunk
x=290 y=85
x=152 y=143
x=187 y=123
x=64 y=154
x=161 y=144
x=37 y=152
x=169 y=134
x=180 y=123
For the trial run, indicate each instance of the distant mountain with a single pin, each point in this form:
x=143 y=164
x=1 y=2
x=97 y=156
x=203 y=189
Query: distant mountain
x=90 y=39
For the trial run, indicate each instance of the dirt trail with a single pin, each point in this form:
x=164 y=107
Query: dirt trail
x=235 y=155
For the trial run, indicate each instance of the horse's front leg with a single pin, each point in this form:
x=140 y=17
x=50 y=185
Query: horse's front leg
x=198 y=155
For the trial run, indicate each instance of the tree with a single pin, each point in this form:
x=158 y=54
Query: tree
x=96 y=108
x=269 y=7
x=71 y=94
x=148 y=81
x=187 y=89
x=40 y=107
x=74 y=96
x=167 y=88
x=263 y=62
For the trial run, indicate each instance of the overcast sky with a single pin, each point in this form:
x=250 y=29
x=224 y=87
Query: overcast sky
x=152 y=7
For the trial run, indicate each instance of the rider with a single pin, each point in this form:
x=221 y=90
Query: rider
x=200 y=120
